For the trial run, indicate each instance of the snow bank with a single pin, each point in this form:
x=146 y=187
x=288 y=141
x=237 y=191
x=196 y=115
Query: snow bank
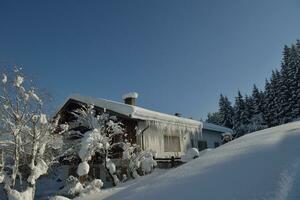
x=59 y=198
x=263 y=165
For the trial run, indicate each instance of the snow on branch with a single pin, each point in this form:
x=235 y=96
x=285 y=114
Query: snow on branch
x=29 y=145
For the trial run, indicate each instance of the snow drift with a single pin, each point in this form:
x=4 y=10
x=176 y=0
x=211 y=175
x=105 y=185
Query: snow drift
x=261 y=165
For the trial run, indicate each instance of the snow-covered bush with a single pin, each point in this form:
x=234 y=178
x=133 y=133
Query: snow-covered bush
x=226 y=137
x=92 y=187
x=191 y=153
x=72 y=187
x=147 y=163
x=105 y=133
x=138 y=162
x=30 y=147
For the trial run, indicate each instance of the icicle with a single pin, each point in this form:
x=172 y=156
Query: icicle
x=171 y=127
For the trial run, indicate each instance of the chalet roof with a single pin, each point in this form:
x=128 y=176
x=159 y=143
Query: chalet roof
x=137 y=112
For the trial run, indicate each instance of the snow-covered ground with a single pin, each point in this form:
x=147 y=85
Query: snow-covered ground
x=261 y=165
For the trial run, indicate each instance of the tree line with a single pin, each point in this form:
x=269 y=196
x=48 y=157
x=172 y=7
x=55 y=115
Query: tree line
x=277 y=103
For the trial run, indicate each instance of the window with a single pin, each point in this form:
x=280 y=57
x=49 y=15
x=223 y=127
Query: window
x=193 y=143
x=171 y=143
x=202 y=144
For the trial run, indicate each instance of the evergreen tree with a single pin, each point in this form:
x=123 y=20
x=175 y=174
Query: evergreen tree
x=267 y=100
x=254 y=110
x=249 y=112
x=239 y=118
x=224 y=116
x=273 y=100
x=284 y=87
x=296 y=95
x=249 y=108
x=225 y=112
x=279 y=102
x=258 y=98
x=214 y=118
x=294 y=82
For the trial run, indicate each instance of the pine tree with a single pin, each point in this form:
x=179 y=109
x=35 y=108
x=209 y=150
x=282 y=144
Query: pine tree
x=284 y=87
x=225 y=112
x=266 y=101
x=296 y=105
x=249 y=108
x=279 y=103
x=254 y=108
x=240 y=118
x=249 y=112
x=295 y=81
x=214 y=118
x=273 y=100
x=258 y=98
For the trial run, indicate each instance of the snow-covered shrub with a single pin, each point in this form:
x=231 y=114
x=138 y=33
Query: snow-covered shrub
x=100 y=139
x=72 y=188
x=226 y=137
x=30 y=147
x=112 y=170
x=191 y=153
x=147 y=163
x=92 y=187
x=104 y=134
x=138 y=162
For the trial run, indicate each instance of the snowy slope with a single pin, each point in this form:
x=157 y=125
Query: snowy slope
x=260 y=165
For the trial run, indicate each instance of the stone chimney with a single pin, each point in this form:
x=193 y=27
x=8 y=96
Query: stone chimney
x=130 y=98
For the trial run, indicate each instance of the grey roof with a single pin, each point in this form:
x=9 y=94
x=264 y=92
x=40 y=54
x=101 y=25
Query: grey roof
x=214 y=127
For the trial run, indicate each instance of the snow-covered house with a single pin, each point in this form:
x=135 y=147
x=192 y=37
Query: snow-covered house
x=167 y=135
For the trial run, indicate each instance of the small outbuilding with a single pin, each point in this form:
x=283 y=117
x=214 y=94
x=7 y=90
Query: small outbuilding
x=212 y=135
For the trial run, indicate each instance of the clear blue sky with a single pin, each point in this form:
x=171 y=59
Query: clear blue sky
x=178 y=55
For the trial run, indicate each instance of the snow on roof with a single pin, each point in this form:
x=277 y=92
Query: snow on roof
x=130 y=95
x=136 y=112
x=217 y=128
